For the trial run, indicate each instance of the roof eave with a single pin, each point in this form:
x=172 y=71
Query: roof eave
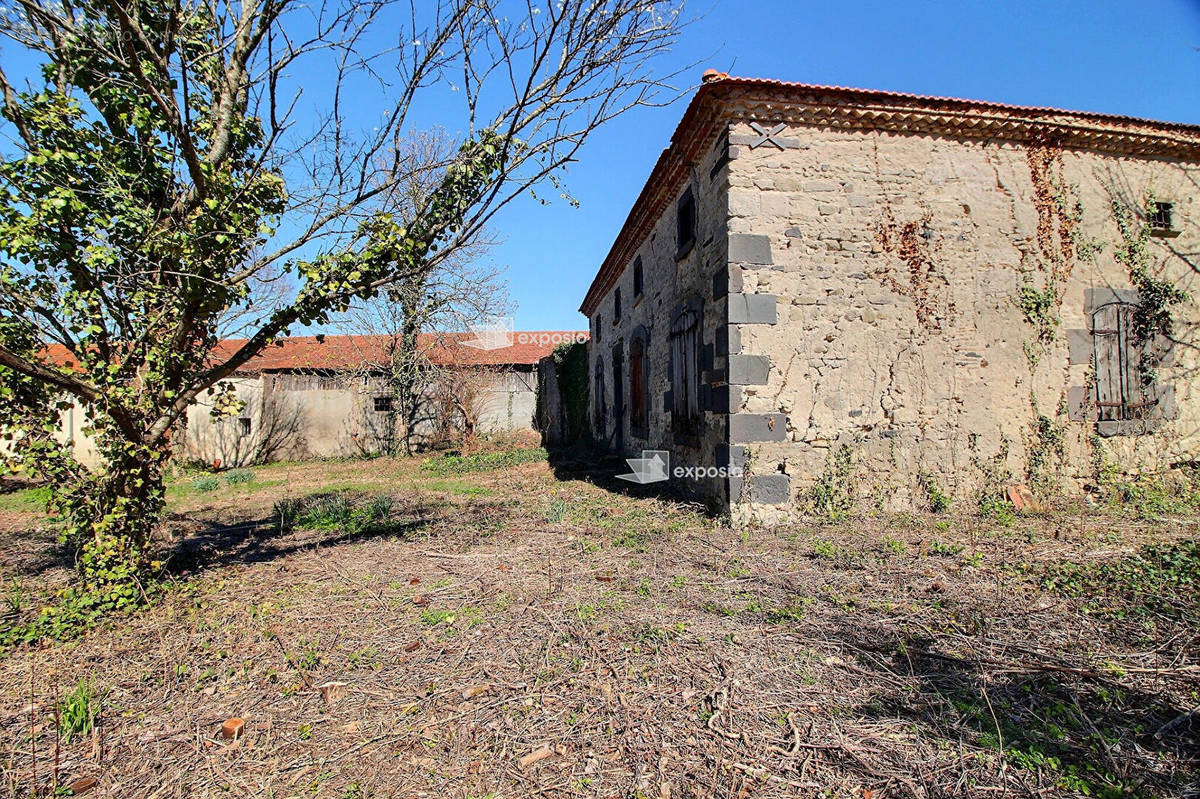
x=695 y=131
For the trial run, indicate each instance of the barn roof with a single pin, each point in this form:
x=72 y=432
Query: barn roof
x=347 y=352
x=721 y=99
x=351 y=352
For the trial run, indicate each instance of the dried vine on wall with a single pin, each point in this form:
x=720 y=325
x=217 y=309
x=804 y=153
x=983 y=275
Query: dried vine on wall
x=1060 y=245
x=927 y=286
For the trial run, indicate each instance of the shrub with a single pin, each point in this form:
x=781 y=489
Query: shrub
x=210 y=482
x=235 y=476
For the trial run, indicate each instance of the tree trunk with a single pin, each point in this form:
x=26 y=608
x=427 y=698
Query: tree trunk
x=112 y=519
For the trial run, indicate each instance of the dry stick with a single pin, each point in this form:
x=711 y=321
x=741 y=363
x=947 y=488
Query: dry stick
x=288 y=658
x=58 y=743
x=995 y=721
x=33 y=727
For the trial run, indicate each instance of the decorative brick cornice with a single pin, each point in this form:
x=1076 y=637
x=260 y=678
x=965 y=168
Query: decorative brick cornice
x=721 y=100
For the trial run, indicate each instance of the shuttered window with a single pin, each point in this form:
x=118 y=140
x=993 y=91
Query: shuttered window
x=685 y=372
x=1121 y=391
x=637 y=387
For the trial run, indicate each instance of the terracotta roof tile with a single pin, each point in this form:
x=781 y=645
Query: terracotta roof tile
x=346 y=352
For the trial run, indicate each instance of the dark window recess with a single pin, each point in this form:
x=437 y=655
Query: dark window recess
x=685 y=223
x=685 y=373
x=618 y=390
x=596 y=326
x=600 y=413
x=243 y=426
x=383 y=404
x=617 y=305
x=1162 y=216
x=637 y=277
x=1122 y=393
x=638 y=411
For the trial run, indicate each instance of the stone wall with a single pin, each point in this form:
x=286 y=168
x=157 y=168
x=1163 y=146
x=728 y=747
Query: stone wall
x=671 y=278
x=883 y=305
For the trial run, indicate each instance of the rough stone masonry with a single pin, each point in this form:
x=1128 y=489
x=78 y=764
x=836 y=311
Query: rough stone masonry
x=902 y=297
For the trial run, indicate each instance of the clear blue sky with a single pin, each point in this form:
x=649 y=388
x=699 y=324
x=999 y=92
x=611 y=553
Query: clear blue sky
x=1137 y=58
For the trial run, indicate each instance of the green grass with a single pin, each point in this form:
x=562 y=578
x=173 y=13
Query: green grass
x=1157 y=578
x=236 y=476
x=77 y=711
x=26 y=500
x=181 y=491
x=336 y=512
x=483 y=461
x=1152 y=497
x=1040 y=728
x=210 y=482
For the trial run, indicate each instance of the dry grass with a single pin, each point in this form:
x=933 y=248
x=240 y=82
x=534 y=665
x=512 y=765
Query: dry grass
x=512 y=634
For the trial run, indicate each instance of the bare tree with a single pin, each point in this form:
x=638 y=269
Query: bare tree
x=407 y=330
x=411 y=335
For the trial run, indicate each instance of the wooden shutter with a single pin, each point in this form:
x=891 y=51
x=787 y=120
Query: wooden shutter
x=692 y=359
x=1120 y=389
x=637 y=385
x=1106 y=335
x=685 y=373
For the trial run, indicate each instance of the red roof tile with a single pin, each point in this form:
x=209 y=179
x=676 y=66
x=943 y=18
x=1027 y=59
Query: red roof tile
x=347 y=352
x=868 y=95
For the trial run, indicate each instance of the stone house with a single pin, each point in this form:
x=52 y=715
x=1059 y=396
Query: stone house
x=312 y=397
x=830 y=295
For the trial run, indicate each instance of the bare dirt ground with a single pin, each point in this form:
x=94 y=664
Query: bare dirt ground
x=514 y=633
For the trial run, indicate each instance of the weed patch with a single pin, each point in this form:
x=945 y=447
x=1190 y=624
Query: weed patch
x=77 y=711
x=27 y=499
x=1156 y=579
x=207 y=483
x=335 y=512
x=832 y=496
x=483 y=461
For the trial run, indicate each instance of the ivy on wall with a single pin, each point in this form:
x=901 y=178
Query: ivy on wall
x=1156 y=295
x=571 y=368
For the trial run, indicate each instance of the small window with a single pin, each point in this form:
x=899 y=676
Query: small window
x=617 y=306
x=1162 y=216
x=596 y=328
x=383 y=404
x=243 y=426
x=685 y=224
x=637 y=277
